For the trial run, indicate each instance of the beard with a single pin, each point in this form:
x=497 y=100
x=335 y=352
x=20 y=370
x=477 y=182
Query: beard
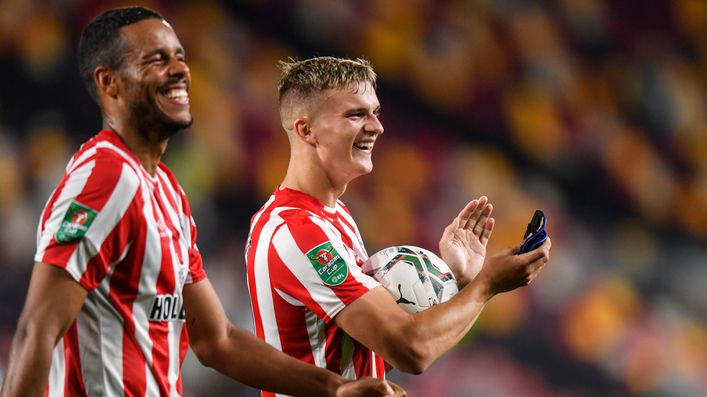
x=151 y=122
x=154 y=124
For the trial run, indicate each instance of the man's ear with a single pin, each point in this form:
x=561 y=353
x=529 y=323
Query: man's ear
x=303 y=131
x=106 y=81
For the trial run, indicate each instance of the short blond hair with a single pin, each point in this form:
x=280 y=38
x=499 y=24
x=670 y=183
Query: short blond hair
x=314 y=75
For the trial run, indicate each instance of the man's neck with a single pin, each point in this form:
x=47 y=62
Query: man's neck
x=314 y=183
x=149 y=153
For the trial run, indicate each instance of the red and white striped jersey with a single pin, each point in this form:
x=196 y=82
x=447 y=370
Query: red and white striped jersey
x=304 y=264
x=129 y=239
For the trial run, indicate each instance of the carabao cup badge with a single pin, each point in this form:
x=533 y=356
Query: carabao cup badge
x=330 y=266
x=76 y=222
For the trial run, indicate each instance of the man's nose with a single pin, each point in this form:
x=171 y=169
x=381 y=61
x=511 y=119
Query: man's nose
x=178 y=67
x=374 y=124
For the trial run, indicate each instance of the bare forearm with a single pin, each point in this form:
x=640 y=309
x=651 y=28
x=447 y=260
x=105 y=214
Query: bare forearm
x=30 y=360
x=448 y=323
x=52 y=303
x=251 y=361
x=436 y=330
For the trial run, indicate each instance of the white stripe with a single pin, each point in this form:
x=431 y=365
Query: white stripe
x=258 y=214
x=72 y=188
x=249 y=243
x=350 y=220
x=346 y=365
x=106 y=220
x=288 y=298
x=57 y=373
x=136 y=166
x=175 y=328
x=147 y=289
x=165 y=183
x=181 y=220
x=317 y=337
x=149 y=271
x=300 y=266
x=354 y=236
x=151 y=387
x=76 y=161
x=262 y=279
x=263 y=288
x=100 y=334
x=183 y=245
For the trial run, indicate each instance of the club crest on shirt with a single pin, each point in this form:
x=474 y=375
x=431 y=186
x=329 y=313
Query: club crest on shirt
x=330 y=266
x=76 y=222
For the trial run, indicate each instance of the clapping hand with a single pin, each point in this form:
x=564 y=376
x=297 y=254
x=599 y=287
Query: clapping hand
x=463 y=243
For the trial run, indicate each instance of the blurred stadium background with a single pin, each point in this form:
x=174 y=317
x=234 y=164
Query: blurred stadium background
x=594 y=110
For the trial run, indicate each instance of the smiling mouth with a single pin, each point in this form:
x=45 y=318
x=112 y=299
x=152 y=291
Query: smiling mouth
x=365 y=146
x=177 y=95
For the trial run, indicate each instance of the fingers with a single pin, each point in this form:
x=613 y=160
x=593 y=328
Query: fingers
x=542 y=256
x=476 y=213
x=484 y=216
x=541 y=252
x=466 y=213
x=486 y=233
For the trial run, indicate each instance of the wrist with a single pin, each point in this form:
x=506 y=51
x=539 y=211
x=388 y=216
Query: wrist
x=462 y=280
x=481 y=284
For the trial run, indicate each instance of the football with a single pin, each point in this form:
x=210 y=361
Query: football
x=417 y=278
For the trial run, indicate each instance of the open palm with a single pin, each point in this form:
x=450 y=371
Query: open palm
x=463 y=243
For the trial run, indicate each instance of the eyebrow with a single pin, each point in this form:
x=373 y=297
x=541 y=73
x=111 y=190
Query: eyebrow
x=362 y=109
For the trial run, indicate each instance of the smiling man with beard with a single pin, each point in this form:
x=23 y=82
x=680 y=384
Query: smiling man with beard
x=118 y=279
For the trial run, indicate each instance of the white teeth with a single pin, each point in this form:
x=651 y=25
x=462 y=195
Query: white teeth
x=179 y=94
x=364 y=145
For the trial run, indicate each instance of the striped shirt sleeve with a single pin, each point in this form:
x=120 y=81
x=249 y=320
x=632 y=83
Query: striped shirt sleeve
x=196 y=264
x=85 y=227
x=329 y=277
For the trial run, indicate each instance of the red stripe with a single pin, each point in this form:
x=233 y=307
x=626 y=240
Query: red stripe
x=183 y=348
x=73 y=381
x=286 y=281
x=291 y=322
x=101 y=183
x=50 y=203
x=160 y=196
x=167 y=189
x=98 y=188
x=334 y=347
x=124 y=285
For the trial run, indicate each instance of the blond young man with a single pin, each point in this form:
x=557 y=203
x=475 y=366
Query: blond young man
x=310 y=298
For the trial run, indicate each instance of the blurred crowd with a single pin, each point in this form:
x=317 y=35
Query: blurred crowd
x=592 y=110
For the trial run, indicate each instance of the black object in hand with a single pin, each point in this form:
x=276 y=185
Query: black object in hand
x=535 y=234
